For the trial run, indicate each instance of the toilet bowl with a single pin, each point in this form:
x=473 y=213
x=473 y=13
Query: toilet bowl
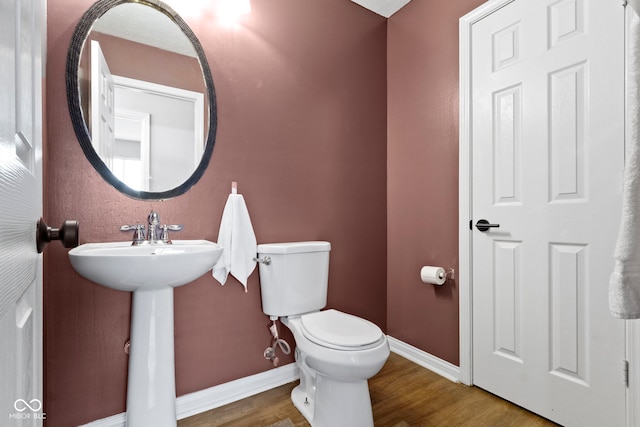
x=336 y=352
x=333 y=388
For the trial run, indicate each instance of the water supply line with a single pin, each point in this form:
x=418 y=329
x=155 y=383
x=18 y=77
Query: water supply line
x=270 y=352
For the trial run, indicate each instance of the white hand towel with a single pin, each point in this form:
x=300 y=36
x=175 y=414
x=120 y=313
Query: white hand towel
x=238 y=240
x=624 y=284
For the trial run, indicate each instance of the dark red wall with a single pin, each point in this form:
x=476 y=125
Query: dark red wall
x=422 y=172
x=338 y=125
x=301 y=90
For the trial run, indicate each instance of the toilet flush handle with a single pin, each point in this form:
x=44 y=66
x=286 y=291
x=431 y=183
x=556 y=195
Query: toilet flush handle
x=264 y=260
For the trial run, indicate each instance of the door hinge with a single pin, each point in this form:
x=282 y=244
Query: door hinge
x=625 y=372
x=471 y=224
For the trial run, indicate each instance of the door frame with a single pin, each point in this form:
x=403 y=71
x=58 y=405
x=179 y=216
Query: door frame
x=465 y=279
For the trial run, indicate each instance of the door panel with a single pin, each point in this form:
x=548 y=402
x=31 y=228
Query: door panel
x=547 y=158
x=21 y=38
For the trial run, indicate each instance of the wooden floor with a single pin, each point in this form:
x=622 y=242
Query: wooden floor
x=403 y=394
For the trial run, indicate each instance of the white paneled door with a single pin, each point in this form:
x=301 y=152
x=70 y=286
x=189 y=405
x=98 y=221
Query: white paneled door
x=22 y=30
x=547 y=153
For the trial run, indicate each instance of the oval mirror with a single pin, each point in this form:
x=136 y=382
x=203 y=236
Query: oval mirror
x=141 y=97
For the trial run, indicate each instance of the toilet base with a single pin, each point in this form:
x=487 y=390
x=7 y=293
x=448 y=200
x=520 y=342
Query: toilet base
x=302 y=402
x=336 y=403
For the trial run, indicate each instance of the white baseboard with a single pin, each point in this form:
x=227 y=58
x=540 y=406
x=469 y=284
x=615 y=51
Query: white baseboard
x=223 y=394
x=426 y=360
x=220 y=395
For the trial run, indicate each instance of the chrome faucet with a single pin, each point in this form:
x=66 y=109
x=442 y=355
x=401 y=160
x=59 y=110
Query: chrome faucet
x=152 y=232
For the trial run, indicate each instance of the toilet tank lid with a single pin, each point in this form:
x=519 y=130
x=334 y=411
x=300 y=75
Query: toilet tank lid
x=293 y=247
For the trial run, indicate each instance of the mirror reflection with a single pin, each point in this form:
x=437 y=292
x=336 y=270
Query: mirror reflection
x=143 y=99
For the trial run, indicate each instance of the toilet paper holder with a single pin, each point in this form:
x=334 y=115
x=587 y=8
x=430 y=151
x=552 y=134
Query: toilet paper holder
x=436 y=275
x=448 y=274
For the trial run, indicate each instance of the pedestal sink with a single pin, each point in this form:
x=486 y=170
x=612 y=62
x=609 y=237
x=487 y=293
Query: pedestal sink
x=151 y=272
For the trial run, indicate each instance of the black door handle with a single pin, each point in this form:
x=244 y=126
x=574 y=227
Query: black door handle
x=483 y=225
x=67 y=234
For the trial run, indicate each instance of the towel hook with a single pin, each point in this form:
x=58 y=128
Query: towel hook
x=234 y=187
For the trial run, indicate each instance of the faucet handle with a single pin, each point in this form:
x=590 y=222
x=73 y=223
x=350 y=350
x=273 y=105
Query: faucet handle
x=138 y=232
x=165 y=231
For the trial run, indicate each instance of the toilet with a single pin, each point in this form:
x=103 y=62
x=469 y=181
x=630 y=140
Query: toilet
x=336 y=352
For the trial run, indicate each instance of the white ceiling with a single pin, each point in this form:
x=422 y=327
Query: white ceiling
x=385 y=8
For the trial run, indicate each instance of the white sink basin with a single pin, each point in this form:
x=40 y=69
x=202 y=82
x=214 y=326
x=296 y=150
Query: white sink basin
x=150 y=272
x=121 y=266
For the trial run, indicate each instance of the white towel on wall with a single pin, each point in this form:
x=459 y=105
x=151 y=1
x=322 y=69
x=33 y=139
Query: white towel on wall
x=624 y=284
x=238 y=240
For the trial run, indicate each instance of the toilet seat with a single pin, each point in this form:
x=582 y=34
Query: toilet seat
x=341 y=331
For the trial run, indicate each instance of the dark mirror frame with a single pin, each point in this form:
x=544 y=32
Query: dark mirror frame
x=80 y=34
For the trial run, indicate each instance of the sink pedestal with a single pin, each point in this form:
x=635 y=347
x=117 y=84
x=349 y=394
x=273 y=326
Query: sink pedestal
x=151 y=390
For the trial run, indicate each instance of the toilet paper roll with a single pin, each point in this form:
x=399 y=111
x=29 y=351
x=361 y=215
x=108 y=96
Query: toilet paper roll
x=433 y=275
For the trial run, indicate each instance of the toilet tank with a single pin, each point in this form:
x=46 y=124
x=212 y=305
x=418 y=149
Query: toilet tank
x=296 y=279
